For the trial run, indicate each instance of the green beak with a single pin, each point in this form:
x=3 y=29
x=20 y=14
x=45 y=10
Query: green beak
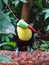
x=22 y=24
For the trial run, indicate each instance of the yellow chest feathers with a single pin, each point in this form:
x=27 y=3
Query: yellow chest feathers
x=24 y=34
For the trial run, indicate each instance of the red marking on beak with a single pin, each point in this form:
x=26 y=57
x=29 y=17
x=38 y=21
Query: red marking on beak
x=33 y=29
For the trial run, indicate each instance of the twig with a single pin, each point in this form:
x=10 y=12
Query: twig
x=11 y=10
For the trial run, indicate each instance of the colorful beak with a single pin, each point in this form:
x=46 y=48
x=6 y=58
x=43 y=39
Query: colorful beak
x=23 y=24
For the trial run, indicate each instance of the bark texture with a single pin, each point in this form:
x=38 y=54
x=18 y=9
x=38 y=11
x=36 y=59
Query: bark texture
x=26 y=9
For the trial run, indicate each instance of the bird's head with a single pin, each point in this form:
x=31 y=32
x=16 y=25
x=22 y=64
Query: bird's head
x=23 y=24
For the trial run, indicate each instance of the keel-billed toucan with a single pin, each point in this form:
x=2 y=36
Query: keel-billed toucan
x=25 y=35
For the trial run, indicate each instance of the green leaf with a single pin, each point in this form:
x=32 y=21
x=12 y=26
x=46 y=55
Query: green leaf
x=5 y=58
x=5 y=25
x=43 y=42
x=16 y=2
x=47 y=28
x=35 y=46
x=46 y=13
x=31 y=24
x=5 y=39
x=8 y=13
x=2 y=44
x=13 y=44
x=42 y=49
x=24 y=1
x=10 y=35
x=6 y=1
x=37 y=17
x=44 y=45
x=47 y=1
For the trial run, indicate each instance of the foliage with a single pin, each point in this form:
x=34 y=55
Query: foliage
x=46 y=13
x=5 y=58
x=47 y=28
x=10 y=13
x=41 y=14
x=44 y=45
x=7 y=27
x=41 y=45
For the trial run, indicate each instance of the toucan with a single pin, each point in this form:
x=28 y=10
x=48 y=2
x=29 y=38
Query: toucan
x=25 y=36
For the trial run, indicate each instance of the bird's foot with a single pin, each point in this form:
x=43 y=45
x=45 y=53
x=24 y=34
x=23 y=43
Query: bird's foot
x=29 y=49
x=17 y=51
